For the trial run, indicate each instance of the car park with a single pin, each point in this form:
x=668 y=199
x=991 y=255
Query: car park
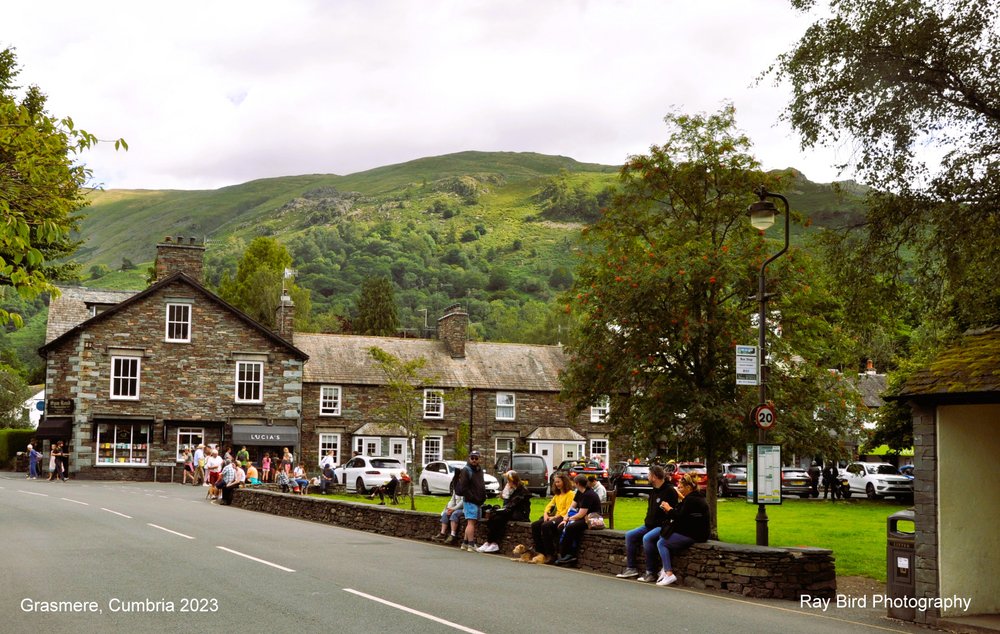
x=629 y=479
x=360 y=474
x=878 y=480
x=573 y=468
x=436 y=477
x=795 y=481
x=732 y=479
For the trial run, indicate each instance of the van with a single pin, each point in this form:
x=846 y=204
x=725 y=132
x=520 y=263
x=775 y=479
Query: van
x=530 y=467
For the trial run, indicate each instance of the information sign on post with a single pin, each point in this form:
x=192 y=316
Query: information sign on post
x=746 y=365
x=764 y=474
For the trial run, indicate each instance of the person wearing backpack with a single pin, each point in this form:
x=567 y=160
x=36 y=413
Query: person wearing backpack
x=471 y=485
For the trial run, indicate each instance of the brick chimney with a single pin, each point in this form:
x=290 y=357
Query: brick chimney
x=284 y=317
x=178 y=254
x=452 y=329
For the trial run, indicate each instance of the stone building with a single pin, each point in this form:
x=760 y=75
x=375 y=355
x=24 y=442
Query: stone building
x=134 y=377
x=955 y=402
x=503 y=397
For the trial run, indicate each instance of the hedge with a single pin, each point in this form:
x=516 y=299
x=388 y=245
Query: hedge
x=13 y=441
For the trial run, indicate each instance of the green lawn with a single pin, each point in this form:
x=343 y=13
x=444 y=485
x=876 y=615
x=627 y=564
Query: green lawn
x=854 y=530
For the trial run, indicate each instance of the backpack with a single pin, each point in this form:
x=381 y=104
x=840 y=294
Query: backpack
x=457 y=482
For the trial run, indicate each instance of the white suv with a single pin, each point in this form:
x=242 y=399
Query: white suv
x=877 y=480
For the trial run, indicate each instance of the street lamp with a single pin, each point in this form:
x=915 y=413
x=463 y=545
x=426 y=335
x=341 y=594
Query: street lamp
x=761 y=218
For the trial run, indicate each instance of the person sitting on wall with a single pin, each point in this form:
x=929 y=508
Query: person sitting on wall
x=300 y=478
x=545 y=530
x=584 y=503
x=686 y=524
x=453 y=513
x=598 y=488
x=516 y=507
x=327 y=479
x=283 y=481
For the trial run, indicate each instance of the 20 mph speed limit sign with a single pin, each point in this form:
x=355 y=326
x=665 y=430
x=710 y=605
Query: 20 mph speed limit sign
x=763 y=416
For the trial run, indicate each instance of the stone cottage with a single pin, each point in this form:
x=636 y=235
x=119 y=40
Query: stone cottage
x=134 y=378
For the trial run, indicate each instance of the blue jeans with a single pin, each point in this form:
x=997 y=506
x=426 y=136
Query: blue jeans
x=675 y=542
x=648 y=537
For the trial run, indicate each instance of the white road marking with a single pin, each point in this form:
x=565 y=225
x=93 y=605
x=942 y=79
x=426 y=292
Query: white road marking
x=44 y=495
x=165 y=497
x=75 y=501
x=430 y=617
x=116 y=513
x=236 y=552
x=169 y=531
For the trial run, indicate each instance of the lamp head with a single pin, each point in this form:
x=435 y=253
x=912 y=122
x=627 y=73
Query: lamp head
x=762 y=213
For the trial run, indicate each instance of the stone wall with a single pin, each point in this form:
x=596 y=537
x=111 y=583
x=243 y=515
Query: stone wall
x=925 y=508
x=752 y=571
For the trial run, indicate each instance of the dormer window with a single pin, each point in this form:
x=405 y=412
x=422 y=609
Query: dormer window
x=178 y=323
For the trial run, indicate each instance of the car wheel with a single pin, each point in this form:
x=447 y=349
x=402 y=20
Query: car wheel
x=424 y=488
x=359 y=486
x=870 y=490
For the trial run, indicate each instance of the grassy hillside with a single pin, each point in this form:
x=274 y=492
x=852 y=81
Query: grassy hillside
x=496 y=231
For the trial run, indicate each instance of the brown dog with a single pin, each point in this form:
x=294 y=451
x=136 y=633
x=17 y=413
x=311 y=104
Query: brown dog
x=213 y=492
x=523 y=554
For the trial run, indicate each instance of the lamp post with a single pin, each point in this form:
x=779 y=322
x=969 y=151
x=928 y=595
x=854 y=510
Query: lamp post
x=762 y=215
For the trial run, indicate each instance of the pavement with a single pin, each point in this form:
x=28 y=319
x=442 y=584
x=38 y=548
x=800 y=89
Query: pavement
x=122 y=557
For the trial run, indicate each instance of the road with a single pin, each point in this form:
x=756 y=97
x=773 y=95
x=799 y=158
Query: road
x=159 y=557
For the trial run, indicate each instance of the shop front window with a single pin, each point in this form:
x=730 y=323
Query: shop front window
x=189 y=438
x=122 y=444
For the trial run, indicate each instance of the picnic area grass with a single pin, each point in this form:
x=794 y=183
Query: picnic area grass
x=855 y=530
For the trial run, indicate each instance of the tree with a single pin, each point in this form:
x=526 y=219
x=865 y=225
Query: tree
x=376 y=309
x=260 y=276
x=41 y=187
x=663 y=296
x=13 y=393
x=915 y=87
x=405 y=383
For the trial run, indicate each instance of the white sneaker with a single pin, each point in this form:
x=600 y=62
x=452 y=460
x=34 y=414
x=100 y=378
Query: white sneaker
x=628 y=573
x=491 y=548
x=666 y=580
x=481 y=547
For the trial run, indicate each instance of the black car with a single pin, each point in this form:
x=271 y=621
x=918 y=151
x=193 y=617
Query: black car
x=732 y=479
x=573 y=468
x=630 y=479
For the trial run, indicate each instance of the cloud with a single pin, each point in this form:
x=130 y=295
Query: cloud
x=212 y=94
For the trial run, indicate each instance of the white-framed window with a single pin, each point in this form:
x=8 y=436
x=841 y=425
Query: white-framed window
x=249 y=382
x=368 y=446
x=433 y=447
x=125 y=378
x=599 y=411
x=506 y=409
x=599 y=449
x=328 y=443
x=189 y=438
x=329 y=400
x=120 y=445
x=504 y=445
x=433 y=404
x=178 y=323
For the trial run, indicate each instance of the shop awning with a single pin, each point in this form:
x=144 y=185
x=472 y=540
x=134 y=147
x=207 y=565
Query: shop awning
x=265 y=435
x=54 y=429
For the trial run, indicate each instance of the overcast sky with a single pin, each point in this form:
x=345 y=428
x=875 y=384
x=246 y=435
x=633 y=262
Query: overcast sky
x=213 y=93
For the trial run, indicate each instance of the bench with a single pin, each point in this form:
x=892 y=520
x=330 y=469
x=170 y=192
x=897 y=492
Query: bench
x=608 y=509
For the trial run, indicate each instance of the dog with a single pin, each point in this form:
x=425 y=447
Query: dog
x=213 y=492
x=523 y=553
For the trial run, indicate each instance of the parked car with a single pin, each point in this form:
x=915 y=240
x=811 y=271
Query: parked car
x=676 y=471
x=878 y=480
x=732 y=479
x=629 y=479
x=795 y=481
x=362 y=473
x=530 y=467
x=573 y=468
x=437 y=476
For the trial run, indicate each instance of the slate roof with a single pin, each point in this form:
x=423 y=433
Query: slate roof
x=489 y=366
x=72 y=307
x=871 y=387
x=970 y=368
x=72 y=311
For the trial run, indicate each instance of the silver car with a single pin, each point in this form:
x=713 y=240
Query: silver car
x=878 y=480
